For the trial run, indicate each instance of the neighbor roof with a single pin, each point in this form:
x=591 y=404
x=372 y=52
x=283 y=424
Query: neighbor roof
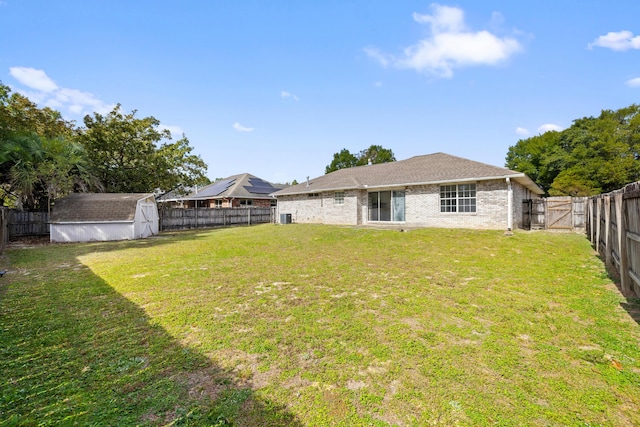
x=242 y=186
x=427 y=169
x=96 y=207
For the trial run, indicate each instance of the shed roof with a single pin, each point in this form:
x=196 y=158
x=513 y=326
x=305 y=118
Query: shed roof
x=242 y=186
x=97 y=207
x=419 y=170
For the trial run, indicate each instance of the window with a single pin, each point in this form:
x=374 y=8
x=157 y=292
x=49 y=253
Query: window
x=338 y=198
x=314 y=195
x=386 y=206
x=458 y=198
x=246 y=202
x=217 y=203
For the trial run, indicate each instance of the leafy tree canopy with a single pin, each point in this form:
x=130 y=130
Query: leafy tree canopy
x=594 y=155
x=43 y=156
x=374 y=154
x=38 y=159
x=18 y=115
x=131 y=154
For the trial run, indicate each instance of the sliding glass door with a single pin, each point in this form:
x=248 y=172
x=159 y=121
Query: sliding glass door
x=386 y=206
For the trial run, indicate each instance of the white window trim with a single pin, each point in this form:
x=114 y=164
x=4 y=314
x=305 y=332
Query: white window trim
x=458 y=198
x=392 y=190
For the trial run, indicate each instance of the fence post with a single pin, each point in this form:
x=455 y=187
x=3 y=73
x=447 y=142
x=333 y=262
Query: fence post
x=622 y=241
x=592 y=220
x=598 y=208
x=607 y=228
x=4 y=229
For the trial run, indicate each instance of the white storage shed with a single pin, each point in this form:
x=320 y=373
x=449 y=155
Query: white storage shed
x=87 y=217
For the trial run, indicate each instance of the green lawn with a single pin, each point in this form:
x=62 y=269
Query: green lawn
x=304 y=325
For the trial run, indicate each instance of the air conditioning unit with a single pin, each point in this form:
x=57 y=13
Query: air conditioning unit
x=285 y=218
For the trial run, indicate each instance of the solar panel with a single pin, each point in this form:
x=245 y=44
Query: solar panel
x=216 y=188
x=259 y=186
x=254 y=190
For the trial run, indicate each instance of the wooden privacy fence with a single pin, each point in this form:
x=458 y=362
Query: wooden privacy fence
x=28 y=223
x=4 y=229
x=187 y=218
x=613 y=227
x=554 y=213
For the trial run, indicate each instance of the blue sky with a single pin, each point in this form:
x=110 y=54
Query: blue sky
x=275 y=88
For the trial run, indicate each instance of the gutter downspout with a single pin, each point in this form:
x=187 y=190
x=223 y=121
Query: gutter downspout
x=509 y=205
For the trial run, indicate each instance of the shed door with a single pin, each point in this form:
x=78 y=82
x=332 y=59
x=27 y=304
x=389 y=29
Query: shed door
x=148 y=217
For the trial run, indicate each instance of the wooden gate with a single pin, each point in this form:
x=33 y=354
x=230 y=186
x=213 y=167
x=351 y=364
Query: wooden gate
x=554 y=213
x=533 y=214
x=559 y=213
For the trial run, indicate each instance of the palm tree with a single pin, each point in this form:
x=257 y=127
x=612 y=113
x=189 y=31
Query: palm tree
x=38 y=168
x=19 y=156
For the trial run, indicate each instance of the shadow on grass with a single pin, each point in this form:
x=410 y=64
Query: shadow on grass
x=74 y=351
x=632 y=306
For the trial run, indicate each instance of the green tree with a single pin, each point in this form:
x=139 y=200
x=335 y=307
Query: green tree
x=65 y=169
x=540 y=157
x=38 y=160
x=38 y=170
x=18 y=115
x=131 y=154
x=342 y=160
x=374 y=154
x=594 y=155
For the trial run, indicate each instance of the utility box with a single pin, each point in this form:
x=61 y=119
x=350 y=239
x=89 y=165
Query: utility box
x=285 y=218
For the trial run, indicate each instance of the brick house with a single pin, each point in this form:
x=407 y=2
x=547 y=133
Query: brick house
x=236 y=191
x=434 y=190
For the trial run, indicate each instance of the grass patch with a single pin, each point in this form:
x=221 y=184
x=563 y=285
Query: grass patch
x=317 y=325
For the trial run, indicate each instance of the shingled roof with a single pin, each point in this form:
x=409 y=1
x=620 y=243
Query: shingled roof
x=434 y=168
x=242 y=186
x=96 y=207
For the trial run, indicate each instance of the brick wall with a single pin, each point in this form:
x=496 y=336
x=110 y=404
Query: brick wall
x=320 y=209
x=422 y=207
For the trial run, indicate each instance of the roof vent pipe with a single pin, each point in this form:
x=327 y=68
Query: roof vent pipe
x=307 y=181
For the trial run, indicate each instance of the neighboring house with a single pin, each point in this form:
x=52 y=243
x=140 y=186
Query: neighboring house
x=173 y=198
x=235 y=191
x=434 y=190
x=85 y=217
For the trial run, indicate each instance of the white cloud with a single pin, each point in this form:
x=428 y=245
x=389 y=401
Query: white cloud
x=445 y=19
x=288 y=95
x=237 y=126
x=176 y=131
x=375 y=54
x=451 y=45
x=522 y=131
x=43 y=90
x=82 y=102
x=621 y=40
x=33 y=79
x=633 y=82
x=549 y=127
